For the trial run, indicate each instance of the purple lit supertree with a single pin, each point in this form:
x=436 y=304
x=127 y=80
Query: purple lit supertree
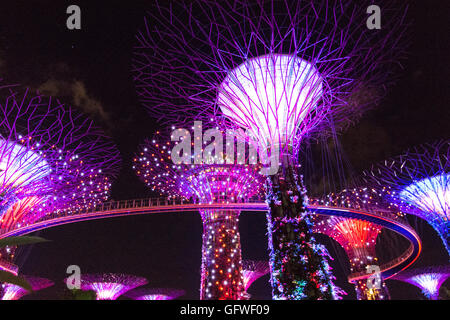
x=358 y=237
x=53 y=160
x=420 y=179
x=281 y=70
x=221 y=277
x=429 y=279
x=13 y=292
x=252 y=271
x=110 y=286
x=155 y=294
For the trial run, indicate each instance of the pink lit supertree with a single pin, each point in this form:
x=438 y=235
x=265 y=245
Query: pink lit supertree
x=281 y=70
x=252 y=271
x=221 y=277
x=429 y=279
x=13 y=292
x=110 y=286
x=358 y=237
x=155 y=294
x=420 y=179
x=53 y=160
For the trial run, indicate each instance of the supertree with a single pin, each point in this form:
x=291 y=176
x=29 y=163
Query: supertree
x=281 y=70
x=109 y=286
x=421 y=179
x=429 y=279
x=358 y=237
x=53 y=160
x=221 y=276
x=13 y=292
x=252 y=271
x=155 y=294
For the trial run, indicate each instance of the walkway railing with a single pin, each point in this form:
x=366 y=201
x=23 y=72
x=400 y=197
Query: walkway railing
x=154 y=205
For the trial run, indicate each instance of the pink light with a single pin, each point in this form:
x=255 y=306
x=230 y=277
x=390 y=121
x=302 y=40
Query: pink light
x=110 y=286
x=108 y=291
x=252 y=271
x=13 y=292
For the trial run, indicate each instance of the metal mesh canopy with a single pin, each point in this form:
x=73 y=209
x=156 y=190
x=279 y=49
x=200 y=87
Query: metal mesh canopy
x=13 y=292
x=109 y=286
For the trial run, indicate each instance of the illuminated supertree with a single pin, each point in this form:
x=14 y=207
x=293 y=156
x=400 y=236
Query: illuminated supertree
x=109 y=286
x=420 y=179
x=155 y=294
x=429 y=279
x=252 y=271
x=358 y=237
x=13 y=292
x=281 y=70
x=221 y=276
x=52 y=160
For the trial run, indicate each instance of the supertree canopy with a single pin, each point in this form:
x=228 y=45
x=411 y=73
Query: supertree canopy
x=110 y=286
x=429 y=279
x=53 y=160
x=281 y=70
x=221 y=276
x=13 y=292
x=252 y=271
x=155 y=294
x=420 y=179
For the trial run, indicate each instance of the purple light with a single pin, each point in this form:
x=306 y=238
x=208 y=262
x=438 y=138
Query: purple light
x=13 y=292
x=111 y=285
x=429 y=280
x=155 y=294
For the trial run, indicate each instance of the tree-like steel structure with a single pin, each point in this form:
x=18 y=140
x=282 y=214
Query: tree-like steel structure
x=358 y=237
x=221 y=276
x=252 y=271
x=155 y=294
x=13 y=292
x=281 y=70
x=110 y=286
x=421 y=179
x=429 y=279
x=53 y=160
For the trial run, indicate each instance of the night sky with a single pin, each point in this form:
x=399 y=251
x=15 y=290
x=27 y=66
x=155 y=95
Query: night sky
x=90 y=69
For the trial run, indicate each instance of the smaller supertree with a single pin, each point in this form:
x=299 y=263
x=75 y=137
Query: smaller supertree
x=13 y=292
x=252 y=271
x=205 y=184
x=421 y=179
x=155 y=294
x=358 y=237
x=428 y=279
x=109 y=286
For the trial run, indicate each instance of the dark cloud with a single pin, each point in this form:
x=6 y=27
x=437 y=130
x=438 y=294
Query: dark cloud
x=77 y=94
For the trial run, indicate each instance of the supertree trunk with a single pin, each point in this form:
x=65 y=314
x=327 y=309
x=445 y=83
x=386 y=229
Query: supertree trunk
x=221 y=277
x=364 y=292
x=299 y=266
